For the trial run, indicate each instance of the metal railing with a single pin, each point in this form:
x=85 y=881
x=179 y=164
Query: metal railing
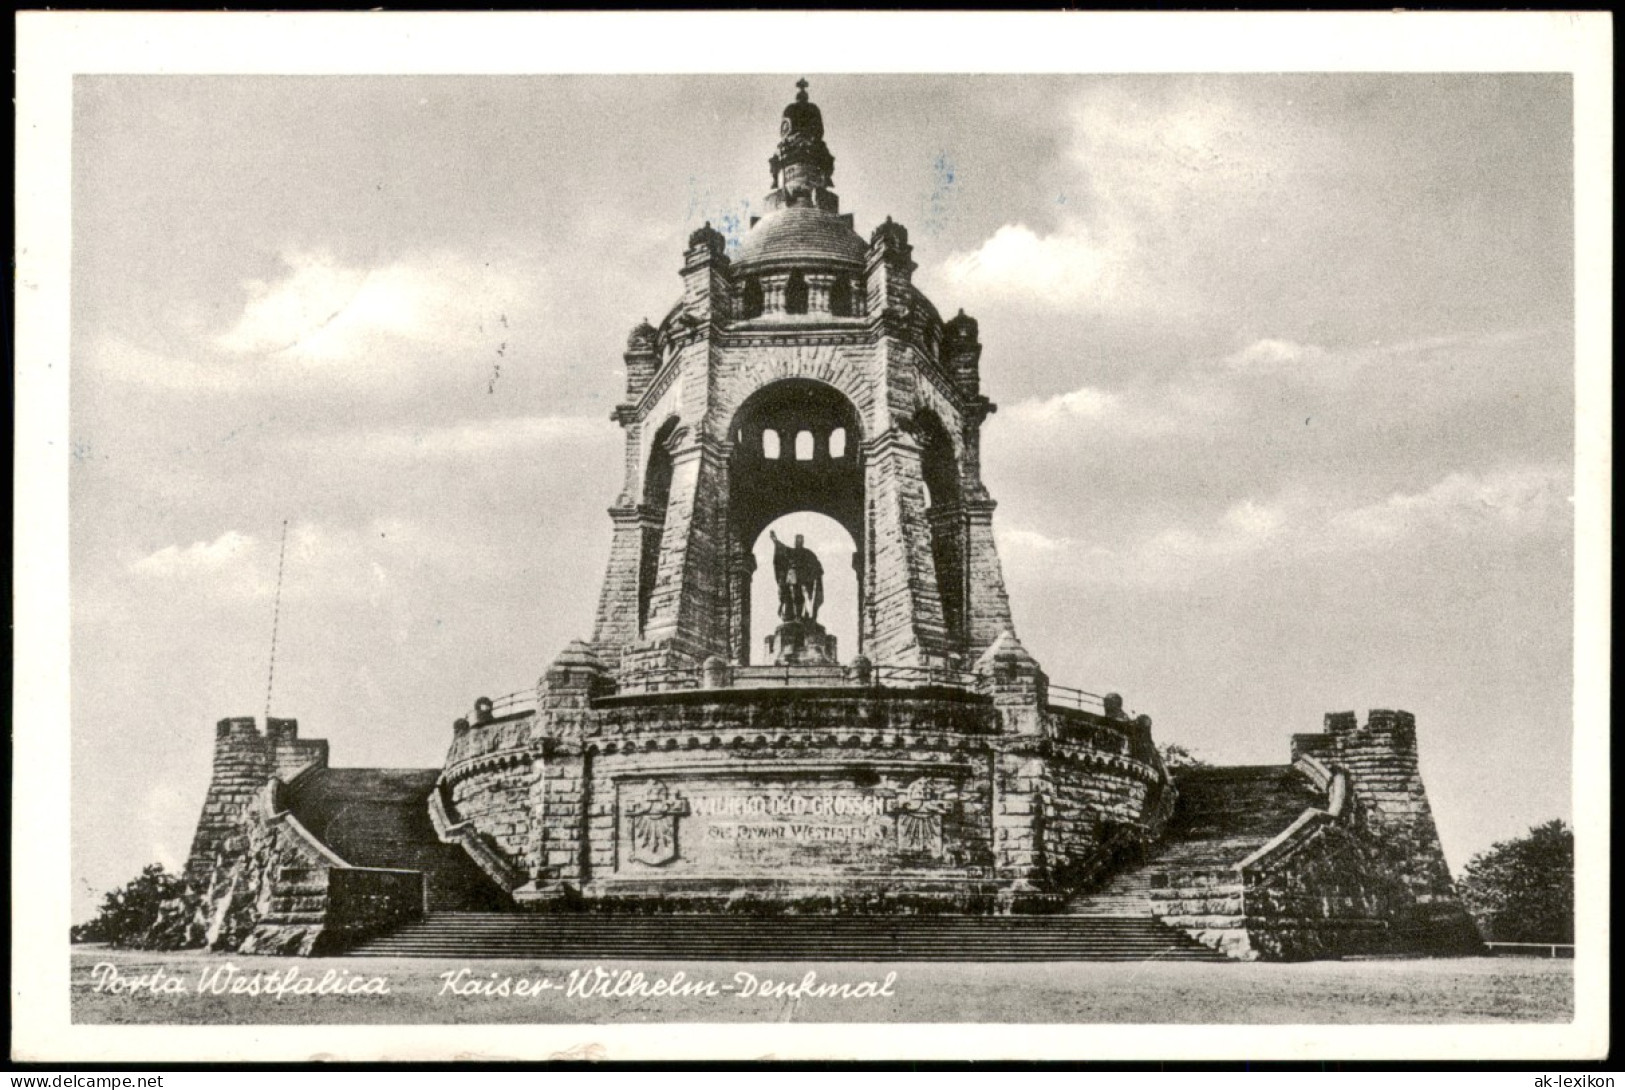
x=1082 y=699
x=1532 y=949
x=913 y=676
x=789 y=677
x=502 y=707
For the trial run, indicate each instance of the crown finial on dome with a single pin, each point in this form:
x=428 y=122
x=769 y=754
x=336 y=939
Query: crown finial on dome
x=803 y=170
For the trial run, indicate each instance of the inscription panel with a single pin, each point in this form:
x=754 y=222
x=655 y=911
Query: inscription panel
x=769 y=827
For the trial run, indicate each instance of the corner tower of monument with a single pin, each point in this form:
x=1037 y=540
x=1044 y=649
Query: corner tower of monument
x=806 y=373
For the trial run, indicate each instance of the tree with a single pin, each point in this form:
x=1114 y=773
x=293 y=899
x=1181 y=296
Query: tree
x=1176 y=757
x=1523 y=890
x=152 y=911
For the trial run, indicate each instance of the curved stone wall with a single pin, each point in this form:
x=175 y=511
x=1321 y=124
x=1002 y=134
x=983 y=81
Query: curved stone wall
x=487 y=782
x=839 y=798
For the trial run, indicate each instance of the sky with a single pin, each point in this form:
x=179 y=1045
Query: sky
x=1284 y=367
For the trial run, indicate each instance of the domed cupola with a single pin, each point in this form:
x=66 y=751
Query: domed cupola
x=803 y=170
x=802 y=256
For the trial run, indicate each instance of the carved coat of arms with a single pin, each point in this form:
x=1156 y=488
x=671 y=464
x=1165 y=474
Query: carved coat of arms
x=652 y=825
x=919 y=818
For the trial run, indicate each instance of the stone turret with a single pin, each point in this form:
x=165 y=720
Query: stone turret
x=244 y=761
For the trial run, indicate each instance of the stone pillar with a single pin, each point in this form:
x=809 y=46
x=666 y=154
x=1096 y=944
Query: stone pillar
x=617 y=623
x=741 y=571
x=1019 y=688
x=705 y=276
x=948 y=553
x=857 y=571
x=987 y=605
x=818 y=291
x=773 y=292
x=242 y=764
x=563 y=831
x=962 y=354
x=641 y=360
x=689 y=612
x=890 y=269
x=902 y=612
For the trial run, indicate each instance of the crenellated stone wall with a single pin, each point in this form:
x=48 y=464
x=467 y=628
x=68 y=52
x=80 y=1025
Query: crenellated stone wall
x=1391 y=804
x=1360 y=871
x=244 y=759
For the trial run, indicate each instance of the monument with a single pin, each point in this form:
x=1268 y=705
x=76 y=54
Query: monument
x=660 y=766
x=800 y=640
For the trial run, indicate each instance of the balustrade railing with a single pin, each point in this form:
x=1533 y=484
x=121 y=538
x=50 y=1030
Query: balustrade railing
x=790 y=677
x=502 y=707
x=1082 y=699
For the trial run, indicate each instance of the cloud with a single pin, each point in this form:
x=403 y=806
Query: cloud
x=176 y=561
x=1086 y=402
x=1016 y=541
x=1515 y=501
x=1273 y=354
x=322 y=311
x=1192 y=406
x=1490 y=507
x=341 y=563
x=1062 y=268
x=397 y=325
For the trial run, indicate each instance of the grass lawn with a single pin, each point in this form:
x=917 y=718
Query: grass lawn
x=1456 y=990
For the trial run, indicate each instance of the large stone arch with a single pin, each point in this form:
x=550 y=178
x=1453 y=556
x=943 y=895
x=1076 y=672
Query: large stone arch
x=763 y=487
x=828 y=364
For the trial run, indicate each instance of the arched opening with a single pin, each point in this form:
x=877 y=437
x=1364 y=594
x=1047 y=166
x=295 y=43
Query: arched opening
x=750 y=301
x=763 y=490
x=840 y=297
x=795 y=294
x=770 y=445
x=656 y=494
x=832 y=544
x=837 y=443
x=940 y=470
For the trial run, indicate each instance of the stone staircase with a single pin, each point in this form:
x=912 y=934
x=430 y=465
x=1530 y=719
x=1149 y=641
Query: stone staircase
x=1128 y=894
x=379 y=817
x=1223 y=816
x=495 y=935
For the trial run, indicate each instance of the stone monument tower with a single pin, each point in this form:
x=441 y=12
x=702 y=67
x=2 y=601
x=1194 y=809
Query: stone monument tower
x=806 y=373
x=676 y=763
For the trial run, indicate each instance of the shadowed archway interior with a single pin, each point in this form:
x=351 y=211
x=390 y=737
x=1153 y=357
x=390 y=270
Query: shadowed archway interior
x=797 y=449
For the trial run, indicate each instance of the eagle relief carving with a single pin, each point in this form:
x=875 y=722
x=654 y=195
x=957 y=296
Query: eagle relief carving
x=652 y=824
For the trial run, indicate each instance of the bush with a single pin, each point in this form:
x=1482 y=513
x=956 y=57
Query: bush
x=1523 y=890
x=1176 y=757
x=154 y=911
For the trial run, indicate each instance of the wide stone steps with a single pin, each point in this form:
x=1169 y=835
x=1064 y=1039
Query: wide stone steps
x=481 y=935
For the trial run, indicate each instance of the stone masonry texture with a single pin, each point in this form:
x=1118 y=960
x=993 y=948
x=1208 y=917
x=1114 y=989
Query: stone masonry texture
x=662 y=768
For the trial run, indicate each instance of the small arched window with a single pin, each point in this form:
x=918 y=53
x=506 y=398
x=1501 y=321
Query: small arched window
x=840 y=297
x=804 y=446
x=770 y=445
x=837 y=443
x=751 y=301
x=795 y=294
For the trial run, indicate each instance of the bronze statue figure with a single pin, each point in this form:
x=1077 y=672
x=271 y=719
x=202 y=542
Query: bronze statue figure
x=800 y=577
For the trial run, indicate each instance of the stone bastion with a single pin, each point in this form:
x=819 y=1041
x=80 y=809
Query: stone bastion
x=800 y=788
